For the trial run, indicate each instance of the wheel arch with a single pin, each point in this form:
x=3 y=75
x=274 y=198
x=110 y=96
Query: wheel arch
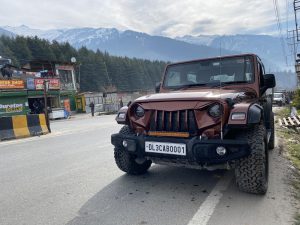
x=122 y=116
x=255 y=114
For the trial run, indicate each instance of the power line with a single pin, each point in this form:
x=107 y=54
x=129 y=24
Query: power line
x=287 y=15
x=278 y=20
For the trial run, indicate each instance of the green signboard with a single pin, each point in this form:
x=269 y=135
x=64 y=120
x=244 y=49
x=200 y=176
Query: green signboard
x=13 y=105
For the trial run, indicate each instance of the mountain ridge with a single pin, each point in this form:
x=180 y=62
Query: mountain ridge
x=133 y=44
x=123 y=43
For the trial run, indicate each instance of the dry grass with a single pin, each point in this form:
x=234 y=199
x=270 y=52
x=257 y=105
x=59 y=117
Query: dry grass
x=289 y=144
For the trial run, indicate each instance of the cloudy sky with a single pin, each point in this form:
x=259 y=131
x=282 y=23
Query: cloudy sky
x=158 y=17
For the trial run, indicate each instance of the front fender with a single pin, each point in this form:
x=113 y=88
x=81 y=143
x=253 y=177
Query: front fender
x=253 y=113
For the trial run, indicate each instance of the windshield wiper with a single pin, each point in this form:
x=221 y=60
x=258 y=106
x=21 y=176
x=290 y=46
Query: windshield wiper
x=236 y=82
x=222 y=84
x=189 y=85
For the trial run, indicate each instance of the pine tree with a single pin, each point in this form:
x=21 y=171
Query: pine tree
x=98 y=71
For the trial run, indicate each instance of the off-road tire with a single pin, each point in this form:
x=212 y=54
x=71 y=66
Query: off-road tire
x=271 y=143
x=125 y=161
x=251 y=173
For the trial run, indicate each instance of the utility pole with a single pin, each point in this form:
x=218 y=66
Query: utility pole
x=292 y=43
x=296 y=39
x=296 y=9
x=46 y=88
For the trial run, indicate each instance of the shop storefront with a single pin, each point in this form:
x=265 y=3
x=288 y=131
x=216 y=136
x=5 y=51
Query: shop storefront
x=24 y=92
x=36 y=98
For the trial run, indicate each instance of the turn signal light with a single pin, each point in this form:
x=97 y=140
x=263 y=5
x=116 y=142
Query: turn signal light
x=238 y=116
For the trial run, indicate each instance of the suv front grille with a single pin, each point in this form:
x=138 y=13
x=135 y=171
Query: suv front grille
x=176 y=121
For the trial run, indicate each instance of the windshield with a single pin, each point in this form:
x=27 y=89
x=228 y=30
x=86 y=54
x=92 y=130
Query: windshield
x=209 y=72
x=277 y=95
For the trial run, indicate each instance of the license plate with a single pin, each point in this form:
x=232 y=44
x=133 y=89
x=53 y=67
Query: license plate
x=165 y=148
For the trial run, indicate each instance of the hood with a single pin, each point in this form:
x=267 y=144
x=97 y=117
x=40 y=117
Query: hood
x=205 y=94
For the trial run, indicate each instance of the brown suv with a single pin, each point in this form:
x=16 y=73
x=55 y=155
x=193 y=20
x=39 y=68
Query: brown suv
x=209 y=114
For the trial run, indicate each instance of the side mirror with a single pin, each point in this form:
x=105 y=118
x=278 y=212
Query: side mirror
x=269 y=81
x=157 y=87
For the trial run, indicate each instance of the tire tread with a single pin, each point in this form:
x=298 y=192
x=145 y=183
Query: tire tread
x=249 y=171
x=125 y=161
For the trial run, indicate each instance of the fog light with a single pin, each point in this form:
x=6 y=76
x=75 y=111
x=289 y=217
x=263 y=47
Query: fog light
x=221 y=150
x=125 y=144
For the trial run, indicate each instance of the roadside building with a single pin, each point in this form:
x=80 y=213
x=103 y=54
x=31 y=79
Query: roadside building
x=23 y=93
x=84 y=99
x=106 y=101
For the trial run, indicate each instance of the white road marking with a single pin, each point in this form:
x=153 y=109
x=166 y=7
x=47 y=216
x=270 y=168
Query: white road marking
x=207 y=208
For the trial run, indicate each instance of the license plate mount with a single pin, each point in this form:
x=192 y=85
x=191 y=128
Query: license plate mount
x=165 y=148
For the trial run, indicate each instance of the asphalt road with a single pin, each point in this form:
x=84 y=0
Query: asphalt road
x=69 y=177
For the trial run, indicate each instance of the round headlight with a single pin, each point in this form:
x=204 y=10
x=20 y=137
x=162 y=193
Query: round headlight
x=139 y=111
x=215 y=111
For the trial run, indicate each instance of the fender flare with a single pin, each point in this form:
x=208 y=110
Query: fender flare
x=255 y=114
x=122 y=120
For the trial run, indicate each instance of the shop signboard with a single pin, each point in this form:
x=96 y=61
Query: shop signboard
x=30 y=84
x=13 y=106
x=12 y=84
x=54 y=84
x=64 y=67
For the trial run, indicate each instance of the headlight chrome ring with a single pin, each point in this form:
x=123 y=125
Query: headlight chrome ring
x=139 y=111
x=215 y=111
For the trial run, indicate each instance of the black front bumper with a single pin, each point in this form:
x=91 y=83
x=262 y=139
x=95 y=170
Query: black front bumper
x=199 y=151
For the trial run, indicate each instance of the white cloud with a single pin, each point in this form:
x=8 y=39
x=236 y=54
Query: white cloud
x=161 y=17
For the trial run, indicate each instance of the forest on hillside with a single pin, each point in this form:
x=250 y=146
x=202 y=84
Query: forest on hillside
x=99 y=71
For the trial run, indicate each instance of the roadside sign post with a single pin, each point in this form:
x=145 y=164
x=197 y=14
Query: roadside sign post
x=46 y=88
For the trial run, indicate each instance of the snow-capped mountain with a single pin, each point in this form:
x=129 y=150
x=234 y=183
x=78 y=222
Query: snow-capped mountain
x=6 y=33
x=267 y=47
x=198 y=40
x=122 y=43
x=140 y=45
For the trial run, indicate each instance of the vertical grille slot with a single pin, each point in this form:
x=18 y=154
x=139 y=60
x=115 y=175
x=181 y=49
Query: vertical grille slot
x=153 y=121
x=167 y=124
x=182 y=124
x=159 y=121
x=174 y=121
x=192 y=122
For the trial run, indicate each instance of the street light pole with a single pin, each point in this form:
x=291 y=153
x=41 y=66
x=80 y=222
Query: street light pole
x=79 y=75
x=46 y=87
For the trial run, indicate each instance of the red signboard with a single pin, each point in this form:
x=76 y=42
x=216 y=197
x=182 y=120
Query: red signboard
x=12 y=84
x=54 y=84
x=64 y=67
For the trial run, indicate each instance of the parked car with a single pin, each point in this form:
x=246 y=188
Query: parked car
x=208 y=114
x=279 y=99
